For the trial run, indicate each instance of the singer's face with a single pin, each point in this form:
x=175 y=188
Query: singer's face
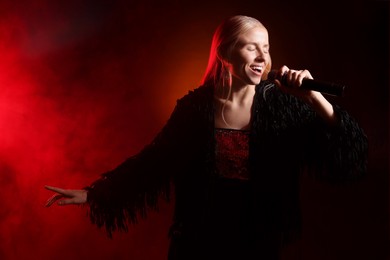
x=250 y=56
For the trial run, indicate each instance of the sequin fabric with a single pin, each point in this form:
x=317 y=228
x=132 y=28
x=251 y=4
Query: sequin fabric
x=232 y=149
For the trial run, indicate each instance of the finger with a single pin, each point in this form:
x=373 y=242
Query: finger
x=286 y=78
x=296 y=78
x=282 y=72
x=55 y=189
x=284 y=68
x=67 y=202
x=298 y=82
x=53 y=199
x=64 y=192
x=305 y=74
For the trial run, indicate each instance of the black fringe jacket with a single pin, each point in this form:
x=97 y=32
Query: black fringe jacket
x=286 y=137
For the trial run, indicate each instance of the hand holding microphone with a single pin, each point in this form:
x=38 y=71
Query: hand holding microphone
x=328 y=88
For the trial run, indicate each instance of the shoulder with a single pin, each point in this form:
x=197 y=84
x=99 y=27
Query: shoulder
x=201 y=95
x=196 y=105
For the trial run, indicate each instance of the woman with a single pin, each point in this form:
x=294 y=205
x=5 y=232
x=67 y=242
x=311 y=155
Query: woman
x=233 y=150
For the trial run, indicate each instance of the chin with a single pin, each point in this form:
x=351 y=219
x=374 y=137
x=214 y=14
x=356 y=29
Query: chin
x=255 y=81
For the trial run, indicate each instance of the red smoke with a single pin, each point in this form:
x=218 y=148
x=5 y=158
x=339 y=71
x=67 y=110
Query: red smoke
x=84 y=84
x=71 y=108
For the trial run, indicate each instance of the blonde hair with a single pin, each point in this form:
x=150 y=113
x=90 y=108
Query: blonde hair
x=224 y=40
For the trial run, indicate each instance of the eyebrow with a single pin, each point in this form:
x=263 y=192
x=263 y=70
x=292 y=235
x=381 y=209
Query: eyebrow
x=255 y=43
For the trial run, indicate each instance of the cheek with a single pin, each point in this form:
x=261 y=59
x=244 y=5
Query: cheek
x=240 y=62
x=243 y=57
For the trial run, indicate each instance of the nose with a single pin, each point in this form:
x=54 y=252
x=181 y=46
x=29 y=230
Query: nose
x=260 y=56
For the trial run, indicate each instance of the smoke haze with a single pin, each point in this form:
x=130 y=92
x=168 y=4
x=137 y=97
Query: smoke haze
x=85 y=84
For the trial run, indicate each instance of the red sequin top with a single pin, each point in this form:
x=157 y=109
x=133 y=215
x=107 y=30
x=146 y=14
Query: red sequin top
x=232 y=150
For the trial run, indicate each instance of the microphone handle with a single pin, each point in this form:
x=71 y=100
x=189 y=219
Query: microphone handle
x=329 y=88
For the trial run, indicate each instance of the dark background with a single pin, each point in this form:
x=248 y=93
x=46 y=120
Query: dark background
x=85 y=84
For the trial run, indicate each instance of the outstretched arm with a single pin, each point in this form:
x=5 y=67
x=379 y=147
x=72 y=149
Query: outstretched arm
x=119 y=196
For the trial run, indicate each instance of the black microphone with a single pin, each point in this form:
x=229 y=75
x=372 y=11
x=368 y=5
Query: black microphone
x=328 y=88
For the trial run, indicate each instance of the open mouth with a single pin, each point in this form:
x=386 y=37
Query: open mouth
x=257 y=69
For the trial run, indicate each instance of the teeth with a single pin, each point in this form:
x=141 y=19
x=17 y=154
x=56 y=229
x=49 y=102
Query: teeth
x=257 y=68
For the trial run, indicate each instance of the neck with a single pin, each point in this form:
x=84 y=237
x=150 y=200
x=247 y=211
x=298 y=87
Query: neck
x=233 y=110
x=238 y=94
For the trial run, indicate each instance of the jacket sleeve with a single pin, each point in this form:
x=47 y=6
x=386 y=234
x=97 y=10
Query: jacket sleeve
x=333 y=153
x=121 y=195
x=337 y=154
